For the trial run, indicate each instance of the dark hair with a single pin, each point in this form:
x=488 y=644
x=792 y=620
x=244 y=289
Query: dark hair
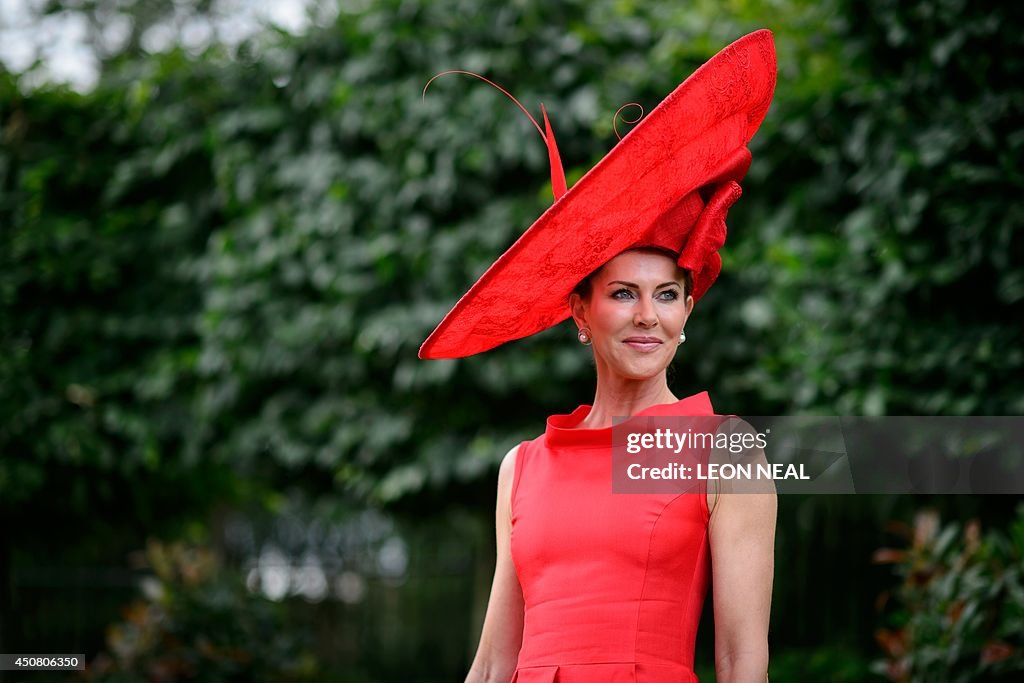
x=584 y=286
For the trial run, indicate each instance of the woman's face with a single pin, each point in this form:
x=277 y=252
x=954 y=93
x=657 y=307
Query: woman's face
x=635 y=313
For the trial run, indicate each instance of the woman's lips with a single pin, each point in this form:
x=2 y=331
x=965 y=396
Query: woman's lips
x=643 y=347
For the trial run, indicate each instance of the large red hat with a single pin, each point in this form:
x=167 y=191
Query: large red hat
x=669 y=182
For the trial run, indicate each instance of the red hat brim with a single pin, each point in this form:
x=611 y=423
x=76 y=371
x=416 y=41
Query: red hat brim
x=693 y=141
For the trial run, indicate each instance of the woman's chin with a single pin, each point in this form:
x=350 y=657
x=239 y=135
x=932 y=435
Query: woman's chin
x=640 y=368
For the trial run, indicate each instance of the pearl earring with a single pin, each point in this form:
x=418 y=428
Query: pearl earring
x=584 y=336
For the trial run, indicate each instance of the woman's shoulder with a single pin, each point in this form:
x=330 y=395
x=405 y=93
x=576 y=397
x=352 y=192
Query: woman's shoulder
x=512 y=461
x=515 y=454
x=508 y=461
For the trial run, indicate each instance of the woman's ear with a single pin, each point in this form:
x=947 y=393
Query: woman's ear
x=579 y=309
x=689 y=305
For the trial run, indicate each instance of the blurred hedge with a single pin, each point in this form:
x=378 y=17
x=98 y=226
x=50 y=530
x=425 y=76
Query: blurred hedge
x=234 y=259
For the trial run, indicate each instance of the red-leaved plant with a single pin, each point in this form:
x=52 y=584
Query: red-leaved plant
x=958 y=614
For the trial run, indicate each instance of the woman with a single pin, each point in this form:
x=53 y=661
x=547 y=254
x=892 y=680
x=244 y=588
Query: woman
x=591 y=586
x=631 y=378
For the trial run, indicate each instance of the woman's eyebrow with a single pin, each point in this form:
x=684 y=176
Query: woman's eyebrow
x=635 y=286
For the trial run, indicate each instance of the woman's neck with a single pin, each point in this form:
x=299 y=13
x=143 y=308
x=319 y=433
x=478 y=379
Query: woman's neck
x=627 y=399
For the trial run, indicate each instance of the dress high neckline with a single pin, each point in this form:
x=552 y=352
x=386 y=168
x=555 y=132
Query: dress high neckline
x=561 y=430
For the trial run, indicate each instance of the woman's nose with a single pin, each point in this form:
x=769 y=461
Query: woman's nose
x=645 y=314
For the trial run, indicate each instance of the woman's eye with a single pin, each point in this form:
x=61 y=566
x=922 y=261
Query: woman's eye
x=671 y=294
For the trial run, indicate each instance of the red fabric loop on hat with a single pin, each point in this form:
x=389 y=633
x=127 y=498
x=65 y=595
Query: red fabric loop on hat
x=700 y=256
x=684 y=227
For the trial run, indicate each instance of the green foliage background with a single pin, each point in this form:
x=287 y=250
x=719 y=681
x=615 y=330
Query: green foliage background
x=216 y=269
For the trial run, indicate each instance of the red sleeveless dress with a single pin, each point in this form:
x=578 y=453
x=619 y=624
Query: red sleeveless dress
x=613 y=584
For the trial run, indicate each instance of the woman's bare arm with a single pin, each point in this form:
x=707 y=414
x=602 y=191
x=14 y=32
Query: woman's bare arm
x=742 y=539
x=502 y=633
